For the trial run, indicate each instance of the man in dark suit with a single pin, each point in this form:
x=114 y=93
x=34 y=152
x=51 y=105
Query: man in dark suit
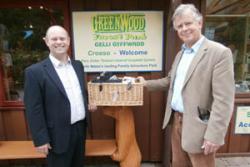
x=56 y=103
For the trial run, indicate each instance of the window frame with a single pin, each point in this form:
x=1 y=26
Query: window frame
x=240 y=97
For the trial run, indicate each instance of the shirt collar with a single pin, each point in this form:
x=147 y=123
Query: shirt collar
x=194 y=48
x=58 y=63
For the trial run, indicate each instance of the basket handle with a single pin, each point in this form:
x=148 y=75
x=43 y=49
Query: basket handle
x=129 y=86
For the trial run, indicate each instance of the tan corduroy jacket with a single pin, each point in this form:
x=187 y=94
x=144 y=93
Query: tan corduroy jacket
x=209 y=84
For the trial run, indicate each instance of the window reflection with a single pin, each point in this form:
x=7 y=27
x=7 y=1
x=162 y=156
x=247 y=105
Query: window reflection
x=229 y=24
x=21 y=44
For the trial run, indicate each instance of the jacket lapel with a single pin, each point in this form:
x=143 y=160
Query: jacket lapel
x=175 y=65
x=48 y=66
x=78 y=73
x=201 y=52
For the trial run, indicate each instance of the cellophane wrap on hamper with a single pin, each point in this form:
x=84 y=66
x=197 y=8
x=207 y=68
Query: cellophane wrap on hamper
x=115 y=94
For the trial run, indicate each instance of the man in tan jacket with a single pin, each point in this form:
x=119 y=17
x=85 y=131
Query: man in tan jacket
x=201 y=93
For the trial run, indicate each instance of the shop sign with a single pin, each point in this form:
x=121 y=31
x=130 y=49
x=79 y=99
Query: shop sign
x=242 y=120
x=120 y=41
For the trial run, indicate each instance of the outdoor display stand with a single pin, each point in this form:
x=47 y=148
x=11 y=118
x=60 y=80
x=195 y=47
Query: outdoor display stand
x=118 y=99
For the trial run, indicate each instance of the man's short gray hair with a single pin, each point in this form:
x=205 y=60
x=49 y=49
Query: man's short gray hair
x=181 y=9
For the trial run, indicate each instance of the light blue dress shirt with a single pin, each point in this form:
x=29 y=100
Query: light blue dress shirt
x=187 y=56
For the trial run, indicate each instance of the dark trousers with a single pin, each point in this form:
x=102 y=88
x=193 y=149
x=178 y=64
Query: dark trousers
x=180 y=158
x=74 y=156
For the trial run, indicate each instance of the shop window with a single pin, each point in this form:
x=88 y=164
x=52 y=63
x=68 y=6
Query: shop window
x=21 y=44
x=228 y=22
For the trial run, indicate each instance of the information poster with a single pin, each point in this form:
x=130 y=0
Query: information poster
x=118 y=41
x=242 y=122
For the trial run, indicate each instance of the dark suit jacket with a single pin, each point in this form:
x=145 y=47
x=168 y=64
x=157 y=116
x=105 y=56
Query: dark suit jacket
x=47 y=105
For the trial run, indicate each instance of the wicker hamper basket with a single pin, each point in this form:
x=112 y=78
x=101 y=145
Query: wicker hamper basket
x=115 y=94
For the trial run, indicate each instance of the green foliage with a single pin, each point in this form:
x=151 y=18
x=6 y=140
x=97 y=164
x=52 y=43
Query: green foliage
x=25 y=50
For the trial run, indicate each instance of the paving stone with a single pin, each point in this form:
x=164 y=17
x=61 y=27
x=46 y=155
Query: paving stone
x=247 y=159
x=233 y=162
x=220 y=162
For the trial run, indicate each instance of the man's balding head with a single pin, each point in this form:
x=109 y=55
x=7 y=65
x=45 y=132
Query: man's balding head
x=57 y=39
x=54 y=28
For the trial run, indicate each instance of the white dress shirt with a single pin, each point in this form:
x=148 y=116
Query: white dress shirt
x=187 y=56
x=72 y=87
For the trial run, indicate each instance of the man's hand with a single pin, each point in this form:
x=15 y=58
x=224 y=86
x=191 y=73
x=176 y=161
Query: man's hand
x=92 y=107
x=44 y=149
x=209 y=147
x=142 y=80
